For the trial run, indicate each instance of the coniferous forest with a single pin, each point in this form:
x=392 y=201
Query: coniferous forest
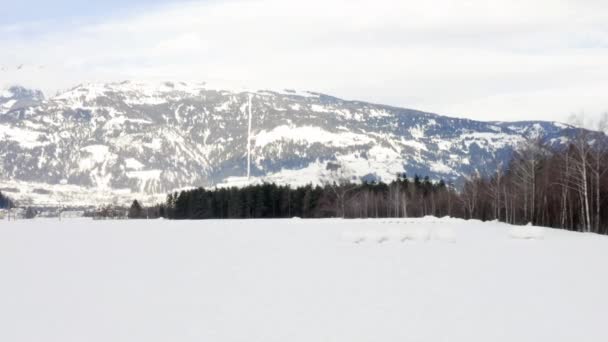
x=332 y=200
x=562 y=189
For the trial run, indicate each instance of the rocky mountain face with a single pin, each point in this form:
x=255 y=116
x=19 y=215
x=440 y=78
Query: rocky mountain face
x=138 y=139
x=18 y=97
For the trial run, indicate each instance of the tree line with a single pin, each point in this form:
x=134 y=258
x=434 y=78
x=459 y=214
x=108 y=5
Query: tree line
x=403 y=197
x=565 y=188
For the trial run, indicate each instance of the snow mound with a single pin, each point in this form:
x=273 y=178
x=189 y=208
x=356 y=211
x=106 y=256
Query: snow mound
x=400 y=234
x=527 y=232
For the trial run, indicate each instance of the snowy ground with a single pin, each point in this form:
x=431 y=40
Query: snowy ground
x=299 y=280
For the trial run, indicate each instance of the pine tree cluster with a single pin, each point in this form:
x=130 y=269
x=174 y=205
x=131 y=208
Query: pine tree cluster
x=371 y=199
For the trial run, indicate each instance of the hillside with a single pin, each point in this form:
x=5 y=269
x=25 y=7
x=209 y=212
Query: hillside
x=100 y=142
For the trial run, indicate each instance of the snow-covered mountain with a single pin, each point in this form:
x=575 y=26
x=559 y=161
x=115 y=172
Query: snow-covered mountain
x=99 y=140
x=18 y=97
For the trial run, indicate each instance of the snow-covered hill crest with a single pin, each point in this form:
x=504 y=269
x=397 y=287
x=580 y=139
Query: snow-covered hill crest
x=155 y=137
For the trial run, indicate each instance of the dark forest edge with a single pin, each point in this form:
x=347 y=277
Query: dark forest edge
x=5 y=202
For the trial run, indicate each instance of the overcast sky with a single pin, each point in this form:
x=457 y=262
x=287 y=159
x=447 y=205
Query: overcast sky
x=489 y=60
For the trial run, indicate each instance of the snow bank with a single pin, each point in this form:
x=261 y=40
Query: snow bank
x=527 y=232
x=422 y=229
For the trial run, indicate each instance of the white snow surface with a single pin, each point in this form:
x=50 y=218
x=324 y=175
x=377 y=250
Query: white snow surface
x=64 y=194
x=8 y=104
x=296 y=280
x=24 y=137
x=154 y=92
x=310 y=135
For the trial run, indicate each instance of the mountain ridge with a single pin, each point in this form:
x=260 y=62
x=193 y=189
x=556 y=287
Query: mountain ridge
x=146 y=139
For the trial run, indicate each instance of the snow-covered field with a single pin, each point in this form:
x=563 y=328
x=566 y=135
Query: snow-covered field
x=300 y=280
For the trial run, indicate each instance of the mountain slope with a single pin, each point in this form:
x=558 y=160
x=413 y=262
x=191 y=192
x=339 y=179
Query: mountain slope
x=150 y=138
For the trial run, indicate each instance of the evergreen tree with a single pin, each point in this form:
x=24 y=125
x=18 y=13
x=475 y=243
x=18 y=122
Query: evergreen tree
x=30 y=213
x=136 y=211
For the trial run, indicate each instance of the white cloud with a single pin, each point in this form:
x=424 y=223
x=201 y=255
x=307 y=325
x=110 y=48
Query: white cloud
x=503 y=60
